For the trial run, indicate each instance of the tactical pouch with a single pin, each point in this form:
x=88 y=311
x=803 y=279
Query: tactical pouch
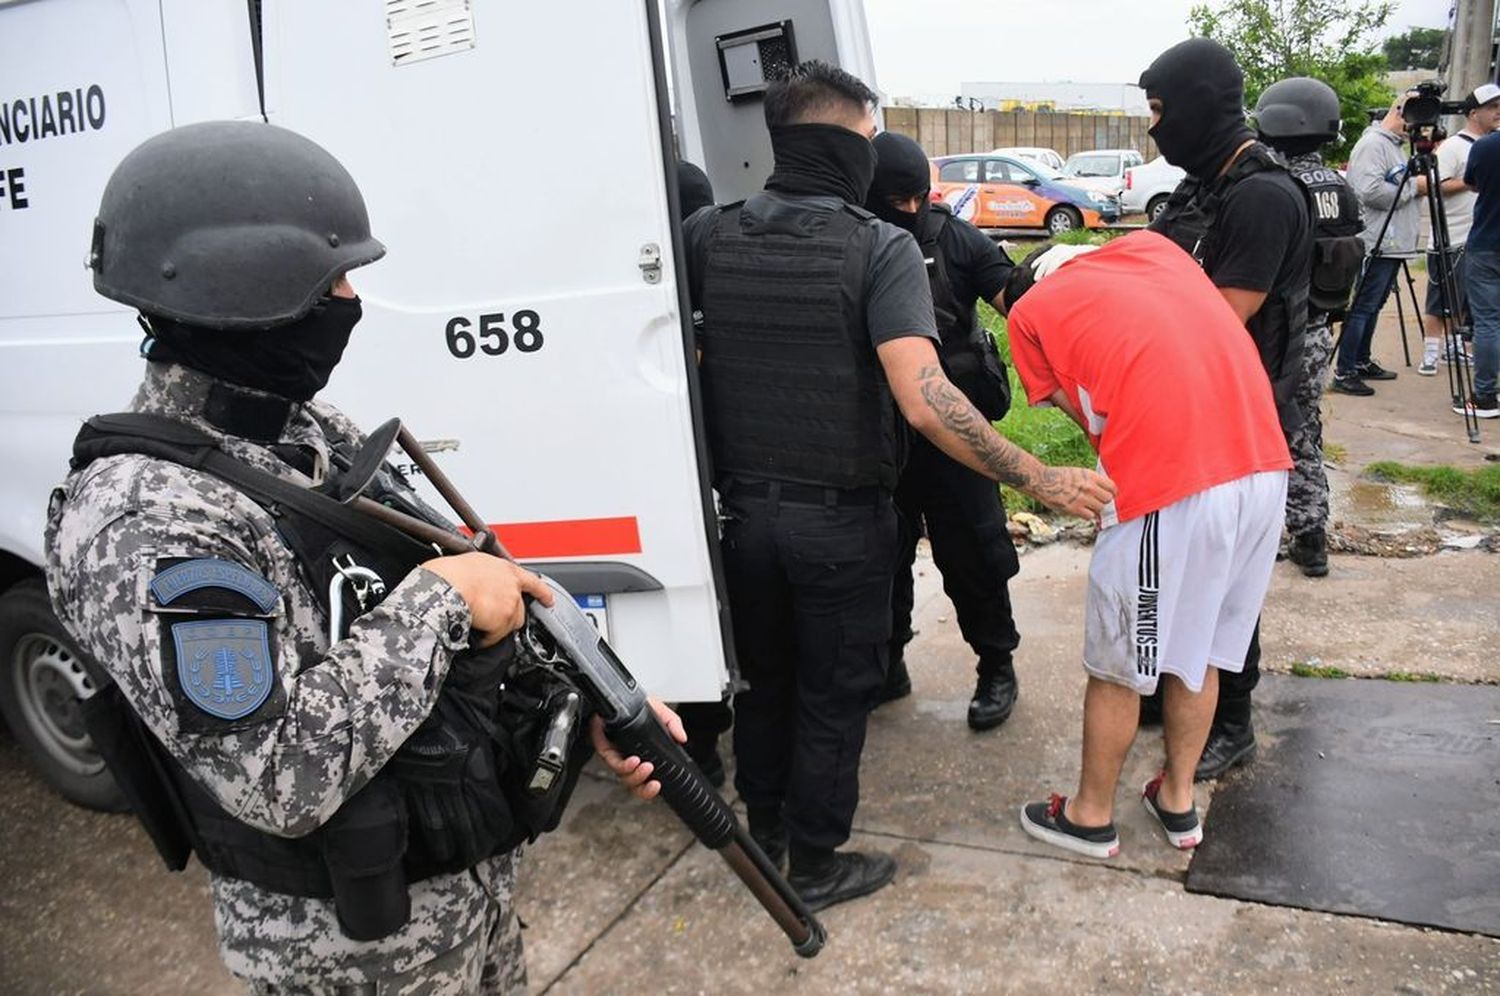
x=974 y=366
x=1336 y=265
x=363 y=847
x=532 y=697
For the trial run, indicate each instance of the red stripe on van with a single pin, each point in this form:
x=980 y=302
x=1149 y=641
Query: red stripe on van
x=570 y=538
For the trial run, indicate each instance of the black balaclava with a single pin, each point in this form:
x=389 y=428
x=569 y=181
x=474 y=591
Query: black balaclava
x=1202 y=94
x=821 y=159
x=292 y=361
x=901 y=170
x=694 y=192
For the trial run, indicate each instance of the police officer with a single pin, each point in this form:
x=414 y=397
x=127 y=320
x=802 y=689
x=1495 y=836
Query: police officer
x=818 y=338
x=350 y=817
x=1248 y=223
x=1296 y=117
x=961 y=509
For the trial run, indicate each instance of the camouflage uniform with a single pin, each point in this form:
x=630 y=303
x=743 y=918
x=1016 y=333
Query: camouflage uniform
x=342 y=713
x=1307 y=484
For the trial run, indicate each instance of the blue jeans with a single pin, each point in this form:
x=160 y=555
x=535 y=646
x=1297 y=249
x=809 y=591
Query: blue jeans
x=1359 y=325
x=1484 y=311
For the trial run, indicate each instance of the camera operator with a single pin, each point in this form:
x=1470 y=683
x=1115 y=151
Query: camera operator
x=1481 y=116
x=1377 y=169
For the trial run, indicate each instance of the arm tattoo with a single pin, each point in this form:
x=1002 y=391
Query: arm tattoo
x=1004 y=461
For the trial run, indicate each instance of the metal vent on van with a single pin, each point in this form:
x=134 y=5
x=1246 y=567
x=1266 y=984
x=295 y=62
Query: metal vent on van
x=426 y=29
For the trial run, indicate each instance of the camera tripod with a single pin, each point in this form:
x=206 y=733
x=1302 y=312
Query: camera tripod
x=1423 y=162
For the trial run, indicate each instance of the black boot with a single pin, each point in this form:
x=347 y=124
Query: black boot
x=824 y=877
x=994 y=696
x=897 y=680
x=769 y=832
x=1231 y=741
x=1309 y=551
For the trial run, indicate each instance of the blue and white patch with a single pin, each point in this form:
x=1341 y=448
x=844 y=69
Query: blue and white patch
x=224 y=665
x=211 y=572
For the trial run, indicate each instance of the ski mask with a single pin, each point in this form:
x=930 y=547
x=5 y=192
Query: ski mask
x=1202 y=94
x=292 y=361
x=901 y=170
x=821 y=159
x=694 y=192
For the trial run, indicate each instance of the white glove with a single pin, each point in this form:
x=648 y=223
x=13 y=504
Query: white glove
x=1050 y=260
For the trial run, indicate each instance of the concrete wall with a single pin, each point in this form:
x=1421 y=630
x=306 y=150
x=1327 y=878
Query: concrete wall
x=947 y=131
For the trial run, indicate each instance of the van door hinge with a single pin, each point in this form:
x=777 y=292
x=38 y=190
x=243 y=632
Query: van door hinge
x=650 y=263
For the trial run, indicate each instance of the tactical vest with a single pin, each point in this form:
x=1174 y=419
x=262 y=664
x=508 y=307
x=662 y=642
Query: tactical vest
x=793 y=389
x=1190 y=220
x=1338 y=251
x=967 y=350
x=454 y=793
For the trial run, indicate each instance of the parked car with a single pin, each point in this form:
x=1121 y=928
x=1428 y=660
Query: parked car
x=994 y=191
x=1101 y=169
x=1047 y=157
x=1148 y=186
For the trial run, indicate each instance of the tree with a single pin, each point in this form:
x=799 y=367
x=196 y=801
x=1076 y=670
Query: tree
x=1330 y=40
x=1419 y=48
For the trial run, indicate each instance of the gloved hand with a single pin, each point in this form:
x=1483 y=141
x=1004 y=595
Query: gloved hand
x=1050 y=260
x=1395 y=175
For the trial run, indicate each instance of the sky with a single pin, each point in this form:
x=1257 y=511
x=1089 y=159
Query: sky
x=928 y=48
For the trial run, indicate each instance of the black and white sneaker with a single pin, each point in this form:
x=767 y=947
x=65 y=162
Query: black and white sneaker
x=1045 y=821
x=1480 y=406
x=1370 y=370
x=1183 y=830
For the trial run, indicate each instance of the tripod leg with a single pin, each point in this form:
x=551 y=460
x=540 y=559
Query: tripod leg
x=1416 y=310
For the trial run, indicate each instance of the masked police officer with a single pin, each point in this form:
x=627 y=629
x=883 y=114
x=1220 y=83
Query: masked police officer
x=961 y=509
x=818 y=338
x=338 y=786
x=1296 y=117
x=1248 y=223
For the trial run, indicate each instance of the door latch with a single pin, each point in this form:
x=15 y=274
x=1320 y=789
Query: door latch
x=650 y=263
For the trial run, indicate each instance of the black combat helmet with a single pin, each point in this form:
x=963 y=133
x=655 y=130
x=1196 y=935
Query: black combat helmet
x=1298 y=109
x=228 y=225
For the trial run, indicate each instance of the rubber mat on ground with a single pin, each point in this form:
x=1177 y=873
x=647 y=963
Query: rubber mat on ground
x=1375 y=798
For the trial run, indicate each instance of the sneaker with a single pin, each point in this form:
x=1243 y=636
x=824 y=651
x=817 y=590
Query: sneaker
x=1428 y=366
x=1351 y=385
x=1480 y=406
x=1370 y=370
x=1182 y=829
x=1045 y=821
x=1450 y=354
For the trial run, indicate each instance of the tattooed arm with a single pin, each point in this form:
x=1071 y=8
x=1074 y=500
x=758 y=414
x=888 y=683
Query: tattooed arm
x=942 y=413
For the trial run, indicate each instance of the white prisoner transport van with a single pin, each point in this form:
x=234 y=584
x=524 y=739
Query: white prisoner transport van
x=529 y=323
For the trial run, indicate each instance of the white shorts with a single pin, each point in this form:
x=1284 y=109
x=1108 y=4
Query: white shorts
x=1181 y=588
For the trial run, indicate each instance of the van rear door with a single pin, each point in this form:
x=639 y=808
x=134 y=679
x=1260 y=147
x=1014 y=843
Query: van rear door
x=525 y=323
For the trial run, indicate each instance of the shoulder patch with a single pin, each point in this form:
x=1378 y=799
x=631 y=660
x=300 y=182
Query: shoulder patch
x=224 y=665
x=211 y=572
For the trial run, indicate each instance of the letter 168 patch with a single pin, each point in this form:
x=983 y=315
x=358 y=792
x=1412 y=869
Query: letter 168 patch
x=224 y=665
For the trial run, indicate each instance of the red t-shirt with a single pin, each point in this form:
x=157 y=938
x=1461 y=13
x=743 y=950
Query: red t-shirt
x=1164 y=373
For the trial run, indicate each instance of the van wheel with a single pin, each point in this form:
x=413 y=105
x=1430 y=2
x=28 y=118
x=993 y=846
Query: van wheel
x=43 y=681
x=1063 y=219
x=1157 y=205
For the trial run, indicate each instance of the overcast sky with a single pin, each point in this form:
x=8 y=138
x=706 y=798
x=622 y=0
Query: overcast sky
x=931 y=47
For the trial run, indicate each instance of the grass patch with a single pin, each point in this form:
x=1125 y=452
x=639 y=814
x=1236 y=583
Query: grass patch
x=1046 y=433
x=1475 y=493
x=1424 y=676
x=1302 y=669
x=1335 y=452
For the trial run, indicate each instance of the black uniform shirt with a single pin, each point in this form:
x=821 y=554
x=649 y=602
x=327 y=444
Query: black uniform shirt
x=977 y=267
x=898 y=300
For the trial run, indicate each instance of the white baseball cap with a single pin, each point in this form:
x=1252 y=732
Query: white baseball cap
x=1484 y=93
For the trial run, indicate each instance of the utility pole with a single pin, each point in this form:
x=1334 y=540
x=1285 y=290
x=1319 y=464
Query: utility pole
x=1469 y=56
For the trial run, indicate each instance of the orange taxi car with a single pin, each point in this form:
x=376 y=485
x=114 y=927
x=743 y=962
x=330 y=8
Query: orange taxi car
x=992 y=191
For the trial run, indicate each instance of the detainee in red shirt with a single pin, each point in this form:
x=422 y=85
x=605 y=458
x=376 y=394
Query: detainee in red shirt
x=1140 y=348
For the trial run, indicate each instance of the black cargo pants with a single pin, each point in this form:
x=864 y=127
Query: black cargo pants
x=971 y=547
x=808 y=572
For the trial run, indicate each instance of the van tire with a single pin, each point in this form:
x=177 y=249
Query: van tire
x=1155 y=207
x=1063 y=219
x=43 y=678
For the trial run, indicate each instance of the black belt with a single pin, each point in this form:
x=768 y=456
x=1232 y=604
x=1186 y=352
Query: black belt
x=807 y=494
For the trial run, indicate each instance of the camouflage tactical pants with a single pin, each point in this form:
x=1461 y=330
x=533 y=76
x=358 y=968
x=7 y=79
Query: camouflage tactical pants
x=1307 y=485
x=491 y=962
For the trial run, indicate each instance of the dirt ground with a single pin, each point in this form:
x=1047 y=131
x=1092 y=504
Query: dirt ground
x=621 y=899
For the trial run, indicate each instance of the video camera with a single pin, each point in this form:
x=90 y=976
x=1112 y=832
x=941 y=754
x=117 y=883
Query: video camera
x=1425 y=107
